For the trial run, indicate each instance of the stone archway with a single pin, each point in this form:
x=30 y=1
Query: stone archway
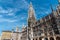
x=40 y=38
x=33 y=39
x=51 y=38
x=36 y=38
x=57 y=38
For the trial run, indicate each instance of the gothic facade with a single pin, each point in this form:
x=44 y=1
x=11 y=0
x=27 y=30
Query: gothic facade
x=47 y=28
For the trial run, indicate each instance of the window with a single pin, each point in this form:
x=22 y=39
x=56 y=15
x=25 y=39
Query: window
x=33 y=39
x=36 y=38
x=40 y=38
x=46 y=38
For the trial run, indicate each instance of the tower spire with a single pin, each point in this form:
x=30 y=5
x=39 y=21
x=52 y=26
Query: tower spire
x=59 y=2
x=31 y=15
x=30 y=4
x=31 y=11
x=17 y=29
x=51 y=8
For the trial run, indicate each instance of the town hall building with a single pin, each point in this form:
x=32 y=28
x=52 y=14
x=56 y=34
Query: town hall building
x=47 y=28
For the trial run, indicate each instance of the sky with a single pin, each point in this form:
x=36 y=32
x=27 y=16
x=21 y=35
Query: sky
x=14 y=13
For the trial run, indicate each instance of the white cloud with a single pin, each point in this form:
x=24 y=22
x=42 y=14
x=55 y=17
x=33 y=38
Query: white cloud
x=47 y=12
x=9 y=11
x=22 y=18
x=7 y=20
x=21 y=4
x=10 y=14
x=18 y=5
x=2 y=10
x=1 y=16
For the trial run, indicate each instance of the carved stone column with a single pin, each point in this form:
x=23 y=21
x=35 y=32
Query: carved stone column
x=48 y=38
x=31 y=33
x=54 y=37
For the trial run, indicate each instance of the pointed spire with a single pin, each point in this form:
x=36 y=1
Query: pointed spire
x=59 y=2
x=17 y=29
x=31 y=7
x=51 y=8
x=31 y=11
x=52 y=11
x=23 y=26
x=30 y=4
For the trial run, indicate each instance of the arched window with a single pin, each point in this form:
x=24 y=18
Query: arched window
x=40 y=38
x=57 y=38
x=36 y=38
x=51 y=38
x=46 y=39
x=33 y=39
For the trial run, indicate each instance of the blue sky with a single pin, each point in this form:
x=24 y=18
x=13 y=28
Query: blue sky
x=15 y=12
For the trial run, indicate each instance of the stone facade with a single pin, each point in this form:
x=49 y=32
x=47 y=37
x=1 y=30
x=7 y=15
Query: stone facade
x=47 y=28
x=6 y=35
x=11 y=35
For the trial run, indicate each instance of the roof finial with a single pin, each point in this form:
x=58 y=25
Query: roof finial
x=30 y=4
x=23 y=26
x=17 y=28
